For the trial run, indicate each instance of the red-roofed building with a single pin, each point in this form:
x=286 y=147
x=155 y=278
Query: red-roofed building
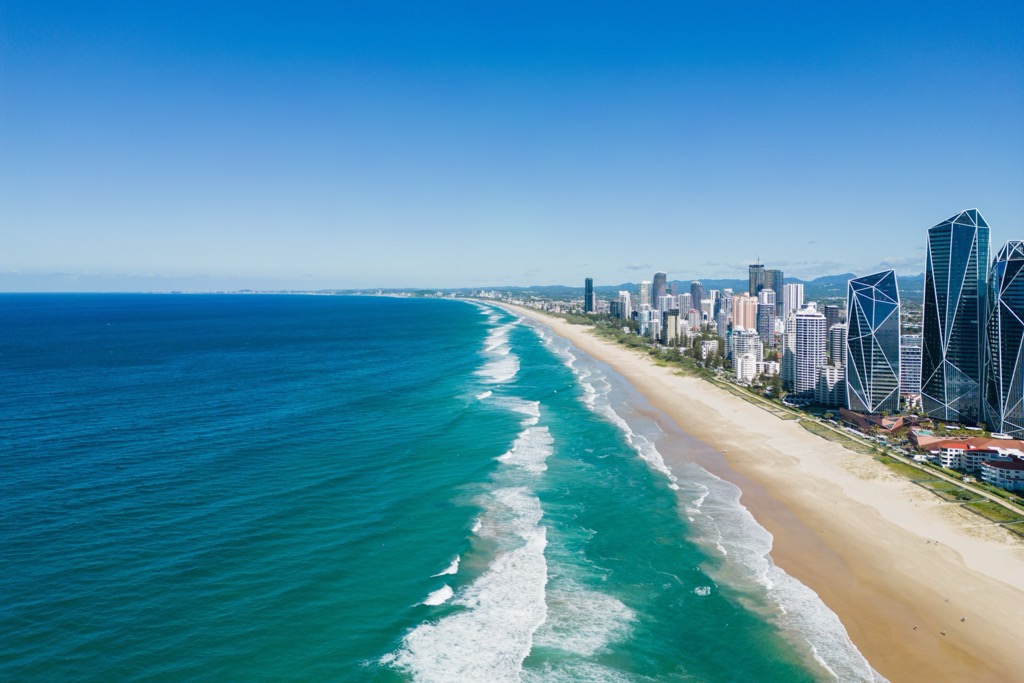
x=1007 y=475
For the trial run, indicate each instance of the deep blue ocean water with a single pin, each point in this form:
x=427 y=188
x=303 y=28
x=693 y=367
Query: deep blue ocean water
x=231 y=487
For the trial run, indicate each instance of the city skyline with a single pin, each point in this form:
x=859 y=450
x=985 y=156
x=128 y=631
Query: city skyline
x=207 y=148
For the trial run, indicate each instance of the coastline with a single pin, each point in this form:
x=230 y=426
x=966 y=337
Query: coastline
x=898 y=566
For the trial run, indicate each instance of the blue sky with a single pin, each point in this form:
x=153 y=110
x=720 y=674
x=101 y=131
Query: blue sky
x=372 y=144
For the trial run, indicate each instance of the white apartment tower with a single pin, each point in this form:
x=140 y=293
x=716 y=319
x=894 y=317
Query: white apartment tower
x=792 y=299
x=810 y=348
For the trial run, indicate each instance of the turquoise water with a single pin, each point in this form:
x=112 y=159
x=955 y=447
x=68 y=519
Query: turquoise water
x=356 y=488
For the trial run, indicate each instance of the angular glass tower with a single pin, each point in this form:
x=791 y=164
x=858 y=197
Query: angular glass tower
x=955 y=280
x=873 y=344
x=1004 y=342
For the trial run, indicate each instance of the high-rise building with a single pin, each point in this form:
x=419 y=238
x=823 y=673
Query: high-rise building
x=910 y=364
x=1004 y=342
x=644 y=295
x=697 y=293
x=589 y=300
x=831 y=316
x=744 y=312
x=873 y=343
x=685 y=303
x=756 y=275
x=667 y=303
x=625 y=305
x=747 y=341
x=658 y=288
x=829 y=390
x=810 y=349
x=837 y=344
x=766 y=316
x=792 y=299
x=773 y=281
x=673 y=289
x=955 y=303
x=788 y=370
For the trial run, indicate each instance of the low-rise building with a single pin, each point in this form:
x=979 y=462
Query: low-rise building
x=1007 y=475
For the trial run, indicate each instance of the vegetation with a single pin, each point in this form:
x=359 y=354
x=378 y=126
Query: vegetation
x=994 y=511
x=830 y=434
x=907 y=470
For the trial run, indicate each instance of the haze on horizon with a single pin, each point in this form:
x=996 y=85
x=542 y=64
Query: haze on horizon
x=449 y=144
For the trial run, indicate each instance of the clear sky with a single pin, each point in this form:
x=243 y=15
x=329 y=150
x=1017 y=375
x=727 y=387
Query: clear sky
x=148 y=145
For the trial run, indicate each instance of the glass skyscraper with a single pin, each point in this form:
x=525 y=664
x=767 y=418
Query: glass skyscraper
x=659 y=288
x=955 y=280
x=589 y=300
x=1004 y=342
x=873 y=343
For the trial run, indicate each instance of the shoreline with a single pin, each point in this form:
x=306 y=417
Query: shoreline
x=897 y=565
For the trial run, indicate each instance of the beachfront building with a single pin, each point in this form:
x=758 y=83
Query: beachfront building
x=589 y=300
x=669 y=327
x=747 y=341
x=708 y=347
x=809 y=351
x=955 y=302
x=768 y=367
x=830 y=387
x=910 y=364
x=1007 y=474
x=746 y=367
x=788 y=371
x=873 y=344
x=1004 y=342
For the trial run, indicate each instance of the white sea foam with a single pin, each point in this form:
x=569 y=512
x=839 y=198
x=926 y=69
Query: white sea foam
x=583 y=621
x=596 y=392
x=578 y=672
x=476 y=526
x=500 y=370
x=440 y=596
x=488 y=640
x=450 y=569
x=702 y=591
x=530 y=450
x=803 y=618
x=483 y=394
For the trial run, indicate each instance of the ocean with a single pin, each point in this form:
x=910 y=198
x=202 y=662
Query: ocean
x=258 y=487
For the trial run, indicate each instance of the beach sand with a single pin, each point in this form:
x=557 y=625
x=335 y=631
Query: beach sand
x=897 y=565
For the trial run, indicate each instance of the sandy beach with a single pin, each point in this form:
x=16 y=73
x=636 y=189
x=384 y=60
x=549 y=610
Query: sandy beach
x=927 y=591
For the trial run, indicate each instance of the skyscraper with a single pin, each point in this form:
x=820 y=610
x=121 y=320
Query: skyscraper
x=1004 y=342
x=756 y=274
x=831 y=316
x=910 y=364
x=644 y=295
x=955 y=302
x=697 y=293
x=873 y=343
x=810 y=349
x=658 y=288
x=837 y=344
x=766 y=316
x=589 y=300
x=773 y=281
x=792 y=299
